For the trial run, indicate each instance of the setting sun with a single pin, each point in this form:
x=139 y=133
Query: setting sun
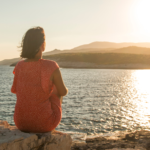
x=141 y=13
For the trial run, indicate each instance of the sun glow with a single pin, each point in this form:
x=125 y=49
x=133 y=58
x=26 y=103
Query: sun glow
x=143 y=81
x=142 y=85
x=141 y=15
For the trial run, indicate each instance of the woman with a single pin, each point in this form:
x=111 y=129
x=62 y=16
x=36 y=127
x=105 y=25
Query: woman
x=38 y=86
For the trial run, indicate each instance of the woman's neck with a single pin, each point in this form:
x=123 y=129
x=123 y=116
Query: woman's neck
x=34 y=59
x=37 y=56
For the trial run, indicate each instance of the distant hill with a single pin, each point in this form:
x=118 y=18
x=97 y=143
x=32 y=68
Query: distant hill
x=110 y=45
x=55 y=51
x=101 y=60
x=9 y=61
x=14 y=60
x=101 y=50
x=132 y=50
x=82 y=49
x=97 y=47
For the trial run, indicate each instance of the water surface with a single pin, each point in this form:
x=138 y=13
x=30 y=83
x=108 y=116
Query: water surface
x=99 y=100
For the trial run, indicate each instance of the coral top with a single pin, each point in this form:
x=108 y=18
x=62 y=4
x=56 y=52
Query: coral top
x=37 y=108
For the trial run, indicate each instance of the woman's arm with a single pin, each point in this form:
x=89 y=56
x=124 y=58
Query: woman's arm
x=13 y=88
x=58 y=81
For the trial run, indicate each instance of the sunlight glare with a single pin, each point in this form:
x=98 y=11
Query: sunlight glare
x=141 y=13
x=142 y=85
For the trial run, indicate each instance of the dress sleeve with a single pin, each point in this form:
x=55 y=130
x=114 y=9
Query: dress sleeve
x=13 y=88
x=47 y=68
x=55 y=66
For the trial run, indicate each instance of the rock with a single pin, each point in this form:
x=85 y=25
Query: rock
x=122 y=140
x=13 y=139
x=96 y=139
x=130 y=137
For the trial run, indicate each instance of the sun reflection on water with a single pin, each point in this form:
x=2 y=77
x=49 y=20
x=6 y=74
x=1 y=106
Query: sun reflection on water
x=99 y=101
x=141 y=84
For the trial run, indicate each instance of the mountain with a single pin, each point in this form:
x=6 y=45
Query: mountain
x=132 y=50
x=9 y=61
x=14 y=60
x=55 y=51
x=101 y=60
x=96 y=47
x=110 y=45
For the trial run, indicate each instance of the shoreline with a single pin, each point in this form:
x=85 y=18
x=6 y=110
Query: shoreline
x=85 y=65
x=94 y=66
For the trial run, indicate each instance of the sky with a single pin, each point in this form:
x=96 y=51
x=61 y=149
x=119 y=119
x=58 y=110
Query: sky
x=71 y=23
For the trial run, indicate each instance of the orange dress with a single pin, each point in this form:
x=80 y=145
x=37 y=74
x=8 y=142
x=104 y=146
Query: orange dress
x=37 y=108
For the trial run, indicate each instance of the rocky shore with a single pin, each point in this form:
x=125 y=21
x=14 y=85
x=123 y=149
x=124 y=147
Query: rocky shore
x=139 y=140
x=13 y=139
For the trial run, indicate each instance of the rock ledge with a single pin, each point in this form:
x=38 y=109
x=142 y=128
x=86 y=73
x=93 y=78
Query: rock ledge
x=13 y=139
x=120 y=140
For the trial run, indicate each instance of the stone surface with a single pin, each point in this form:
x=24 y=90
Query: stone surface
x=139 y=140
x=13 y=139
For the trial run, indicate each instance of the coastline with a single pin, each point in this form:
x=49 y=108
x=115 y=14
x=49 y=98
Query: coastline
x=85 y=65
x=95 y=60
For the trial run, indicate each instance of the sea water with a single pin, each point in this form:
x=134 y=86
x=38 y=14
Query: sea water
x=98 y=101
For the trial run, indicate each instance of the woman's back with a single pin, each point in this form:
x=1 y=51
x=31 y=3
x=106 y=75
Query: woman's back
x=37 y=108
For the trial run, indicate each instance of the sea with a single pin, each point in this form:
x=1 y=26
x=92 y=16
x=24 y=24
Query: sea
x=98 y=101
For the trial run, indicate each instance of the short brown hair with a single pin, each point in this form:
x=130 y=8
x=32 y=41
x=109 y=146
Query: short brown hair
x=31 y=42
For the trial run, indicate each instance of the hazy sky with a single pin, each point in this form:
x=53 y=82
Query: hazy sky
x=70 y=23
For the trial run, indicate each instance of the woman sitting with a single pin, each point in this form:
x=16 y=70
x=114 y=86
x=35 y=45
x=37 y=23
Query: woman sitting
x=38 y=86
